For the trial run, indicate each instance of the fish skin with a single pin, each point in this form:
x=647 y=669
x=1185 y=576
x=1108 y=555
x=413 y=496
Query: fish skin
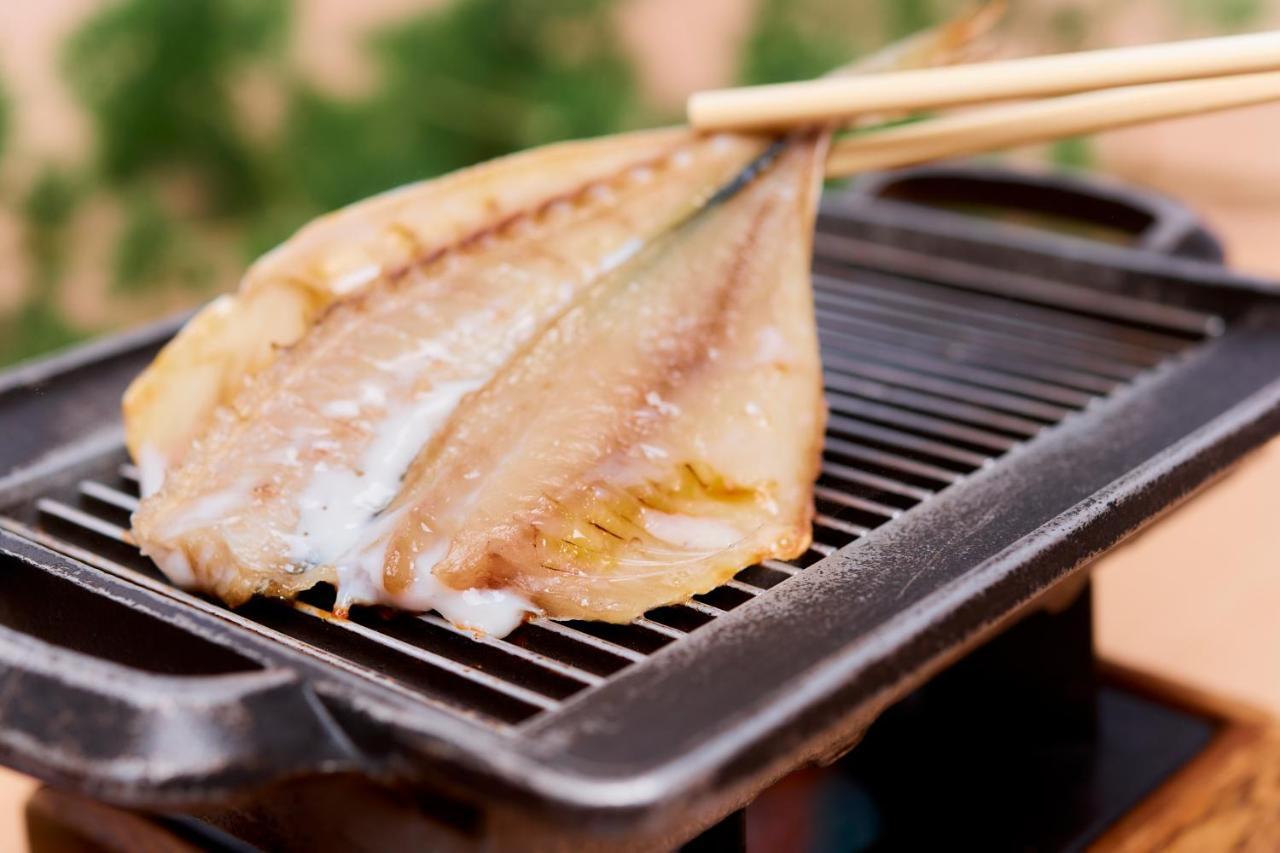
x=228 y=519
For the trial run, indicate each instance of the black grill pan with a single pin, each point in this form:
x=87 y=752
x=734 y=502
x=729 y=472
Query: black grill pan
x=1007 y=403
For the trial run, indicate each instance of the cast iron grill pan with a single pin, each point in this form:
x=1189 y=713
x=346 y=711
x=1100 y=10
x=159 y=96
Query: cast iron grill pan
x=1005 y=403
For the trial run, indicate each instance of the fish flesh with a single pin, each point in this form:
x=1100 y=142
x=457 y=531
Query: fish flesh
x=283 y=488
x=580 y=382
x=662 y=434
x=170 y=403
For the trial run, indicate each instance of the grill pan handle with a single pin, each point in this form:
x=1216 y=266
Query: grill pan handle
x=142 y=738
x=1157 y=223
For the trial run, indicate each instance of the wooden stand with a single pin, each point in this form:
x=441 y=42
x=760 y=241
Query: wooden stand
x=1227 y=798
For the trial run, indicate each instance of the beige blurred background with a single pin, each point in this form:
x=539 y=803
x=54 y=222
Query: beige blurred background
x=1196 y=597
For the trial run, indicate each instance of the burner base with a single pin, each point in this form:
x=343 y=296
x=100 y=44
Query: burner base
x=1020 y=746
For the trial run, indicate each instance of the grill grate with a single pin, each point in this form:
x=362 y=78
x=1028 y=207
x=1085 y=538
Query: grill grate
x=927 y=382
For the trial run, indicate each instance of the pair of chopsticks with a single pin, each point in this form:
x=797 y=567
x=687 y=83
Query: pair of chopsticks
x=1141 y=84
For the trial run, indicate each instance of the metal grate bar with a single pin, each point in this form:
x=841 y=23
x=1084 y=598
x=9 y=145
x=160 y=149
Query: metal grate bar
x=589 y=639
x=855 y=257
x=658 y=628
x=890 y=355
x=839 y=328
x=823 y=520
x=853 y=428
x=932 y=404
x=896 y=319
x=845 y=499
x=83 y=519
x=703 y=608
x=883 y=459
x=904 y=289
x=875 y=482
x=919 y=423
x=998 y=401
x=779 y=566
x=429 y=657
x=512 y=649
x=1097 y=337
x=108 y=495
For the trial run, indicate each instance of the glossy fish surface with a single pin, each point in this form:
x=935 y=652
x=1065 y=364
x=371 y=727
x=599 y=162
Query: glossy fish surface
x=579 y=382
x=296 y=470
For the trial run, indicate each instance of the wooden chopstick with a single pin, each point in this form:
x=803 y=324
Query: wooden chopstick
x=1003 y=127
x=841 y=98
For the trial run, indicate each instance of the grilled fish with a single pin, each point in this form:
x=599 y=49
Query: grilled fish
x=338 y=256
x=581 y=382
x=292 y=474
x=659 y=436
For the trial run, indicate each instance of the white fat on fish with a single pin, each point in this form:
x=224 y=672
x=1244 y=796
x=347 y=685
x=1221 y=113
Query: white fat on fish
x=687 y=531
x=341 y=523
x=209 y=510
x=341 y=409
x=336 y=510
x=621 y=255
x=654 y=399
x=772 y=347
x=496 y=612
x=175 y=565
x=151 y=470
x=492 y=612
x=356 y=279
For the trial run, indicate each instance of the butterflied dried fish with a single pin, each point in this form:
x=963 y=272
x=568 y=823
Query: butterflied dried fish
x=169 y=405
x=289 y=479
x=659 y=436
x=582 y=381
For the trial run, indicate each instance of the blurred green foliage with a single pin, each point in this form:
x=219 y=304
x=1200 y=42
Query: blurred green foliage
x=47 y=209
x=36 y=327
x=1074 y=152
x=1224 y=14
x=1069 y=29
x=463 y=82
x=792 y=40
x=38 y=324
x=904 y=17
x=4 y=119
x=156 y=249
x=472 y=81
x=155 y=76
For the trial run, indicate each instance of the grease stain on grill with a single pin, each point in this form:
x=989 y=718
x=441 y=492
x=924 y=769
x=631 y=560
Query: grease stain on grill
x=926 y=382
